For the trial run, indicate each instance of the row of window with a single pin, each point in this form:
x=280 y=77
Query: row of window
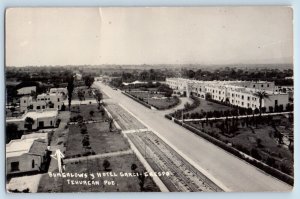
x=242 y=97
x=262 y=85
x=42 y=99
x=242 y=103
x=43 y=107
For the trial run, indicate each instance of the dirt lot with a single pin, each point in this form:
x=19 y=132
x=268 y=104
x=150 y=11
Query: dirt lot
x=162 y=157
x=100 y=138
x=118 y=164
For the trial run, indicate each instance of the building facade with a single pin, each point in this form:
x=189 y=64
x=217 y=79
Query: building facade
x=42 y=102
x=62 y=91
x=42 y=119
x=238 y=93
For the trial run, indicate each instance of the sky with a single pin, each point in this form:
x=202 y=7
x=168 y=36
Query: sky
x=157 y=35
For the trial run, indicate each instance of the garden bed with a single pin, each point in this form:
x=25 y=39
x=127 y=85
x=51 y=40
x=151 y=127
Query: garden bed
x=152 y=99
x=101 y=140
x=264 y=158
x=88 y=112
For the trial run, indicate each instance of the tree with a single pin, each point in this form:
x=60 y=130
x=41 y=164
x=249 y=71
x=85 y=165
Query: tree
x=110 y=124
x=70 y=89
x=33 y=94
x=88 y=80
x=133 y=167
x=165 y=89
x=255 y=154
x=144 y=75
x=261 y=95
x=92 y=113
x=98 y=96
x=85 y=141
x=207 y=96
x=80 y=94
x=258 y=142
x=106 y=164
x=29 y=122
x=271 y=109
x=12 y=109
x=12 y=132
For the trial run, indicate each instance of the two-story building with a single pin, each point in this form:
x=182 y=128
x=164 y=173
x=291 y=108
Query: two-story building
x=238 y=93
x=43 y=101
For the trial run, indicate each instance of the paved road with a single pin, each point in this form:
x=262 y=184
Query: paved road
x=183 y=101
x=230 y=171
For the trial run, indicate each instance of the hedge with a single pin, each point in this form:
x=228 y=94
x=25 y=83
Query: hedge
x=168 y=117
x=270 y=170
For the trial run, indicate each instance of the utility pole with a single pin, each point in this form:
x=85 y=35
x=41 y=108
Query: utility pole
x=182 y=117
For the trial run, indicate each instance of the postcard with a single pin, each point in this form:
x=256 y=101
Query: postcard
x=149 y=99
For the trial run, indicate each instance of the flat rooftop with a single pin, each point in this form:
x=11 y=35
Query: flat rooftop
x=20 y=146
x=35 y=115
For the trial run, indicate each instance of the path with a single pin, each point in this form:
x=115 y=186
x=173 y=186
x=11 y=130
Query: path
x=102 y=155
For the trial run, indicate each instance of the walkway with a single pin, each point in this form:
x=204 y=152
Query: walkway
x=102 y=155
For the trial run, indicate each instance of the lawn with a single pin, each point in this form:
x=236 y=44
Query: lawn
x=85 y=111
x=155 y=99
x=209 y=106
x=163 y=103
x=145 y=94
x=118 y=164
x=101 y=140
x=261 y=139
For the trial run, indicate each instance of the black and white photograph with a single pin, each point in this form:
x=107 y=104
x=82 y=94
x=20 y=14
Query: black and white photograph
x=149 y=99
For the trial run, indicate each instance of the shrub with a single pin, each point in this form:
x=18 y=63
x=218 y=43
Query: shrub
x=86 y=153
x=106 y=164
x=168 y=117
